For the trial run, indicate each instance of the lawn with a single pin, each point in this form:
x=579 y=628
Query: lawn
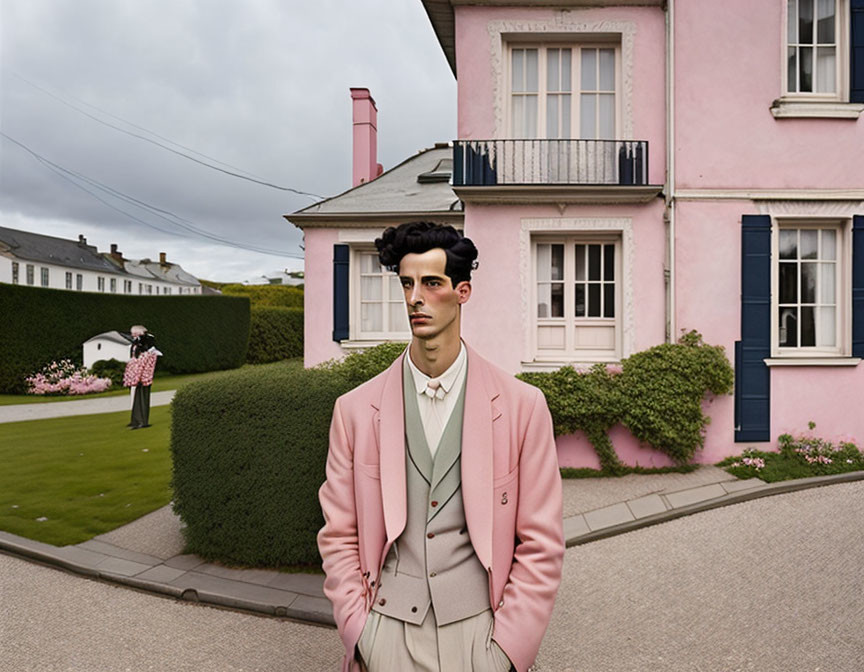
x=162 y=382
x=84 y=475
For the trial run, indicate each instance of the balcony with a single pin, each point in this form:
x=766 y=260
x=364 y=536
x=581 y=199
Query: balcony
x=552 y=171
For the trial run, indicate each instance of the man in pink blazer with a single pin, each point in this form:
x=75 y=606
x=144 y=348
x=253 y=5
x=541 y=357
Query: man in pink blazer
x=510 y=489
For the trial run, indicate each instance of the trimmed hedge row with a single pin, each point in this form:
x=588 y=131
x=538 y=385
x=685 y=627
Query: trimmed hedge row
x=267 y=295
x=39 y=325
x=275 y=333
x=249 y=451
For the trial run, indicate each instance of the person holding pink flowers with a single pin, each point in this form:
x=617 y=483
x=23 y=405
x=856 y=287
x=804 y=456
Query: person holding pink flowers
x=139 y=374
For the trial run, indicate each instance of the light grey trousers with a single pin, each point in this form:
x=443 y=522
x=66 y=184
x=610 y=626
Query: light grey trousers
x=388 y=644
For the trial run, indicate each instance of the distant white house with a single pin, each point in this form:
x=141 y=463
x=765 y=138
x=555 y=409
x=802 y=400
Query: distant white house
x=58 y=263
x=108 y=345
x=285 y=277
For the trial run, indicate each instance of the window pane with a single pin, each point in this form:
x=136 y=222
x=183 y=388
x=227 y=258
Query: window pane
x=607 y=70
x=791 y=22
x=594 y=262
x=565 y=116
x=518 y=116
x=788 y=244
x=825 y=22
x=806 y=69
x=557 y=262
x=530 y=128
x=608 y=262
x=565 y=70
x=788 y=283
x=552 y=117
x=369 y=263
x=370 y=288
x=608 y=300
x=370 y=316
x=827 y=327
x=518 y=73
x=808 y=283
x=580 y=262
x=809 y=243
x=580 y=300
x=588 y=121
x=557 y=299
x=792 y=70
x=544 y=300
x=829 y=244
x=594 y=300
x=589 y=69
x=825 y=70
x=395 y=287
x=531 y=78
x=826 y=283
x=805 y=21
x=606 y=113
x=788 y=337
x=553 y=73
x=808 y=327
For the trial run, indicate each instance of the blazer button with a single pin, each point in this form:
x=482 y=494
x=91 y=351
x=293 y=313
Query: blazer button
x=413 y=610
x=432 y=575
x=434 y=503
x=382 y=601
x=431 y=535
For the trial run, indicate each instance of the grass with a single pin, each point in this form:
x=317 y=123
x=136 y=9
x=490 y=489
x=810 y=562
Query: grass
x=86 y=474
x=585 y=472
x=161 y=382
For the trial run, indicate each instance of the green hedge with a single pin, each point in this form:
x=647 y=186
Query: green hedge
x=275 y=333
x=267 y=295
x=195 y=333
x=249 y=451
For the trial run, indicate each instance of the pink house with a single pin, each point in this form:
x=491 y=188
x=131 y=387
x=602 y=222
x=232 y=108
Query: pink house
x=631 y=169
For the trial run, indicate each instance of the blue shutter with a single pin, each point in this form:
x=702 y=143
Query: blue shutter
x=752 y=376
x=858 y=286
x=856 y=52
x=340 y=292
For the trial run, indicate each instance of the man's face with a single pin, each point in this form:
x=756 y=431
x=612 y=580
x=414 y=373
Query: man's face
x=432 y=301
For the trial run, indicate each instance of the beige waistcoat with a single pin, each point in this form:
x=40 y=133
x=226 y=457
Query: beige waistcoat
x=432 y=563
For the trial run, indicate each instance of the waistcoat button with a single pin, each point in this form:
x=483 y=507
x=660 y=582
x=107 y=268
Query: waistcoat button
x=434 y=503
x=413 y=610
x=382 y=601
x=432 y=575
x=430 y=535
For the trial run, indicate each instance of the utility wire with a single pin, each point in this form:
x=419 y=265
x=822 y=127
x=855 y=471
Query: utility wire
x=165 y=147
x=171 y=218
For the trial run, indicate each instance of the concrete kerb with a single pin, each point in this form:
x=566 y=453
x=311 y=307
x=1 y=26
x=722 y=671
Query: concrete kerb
x=315 y=609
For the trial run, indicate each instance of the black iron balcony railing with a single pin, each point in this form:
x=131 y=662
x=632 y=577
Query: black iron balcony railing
x=574 y=162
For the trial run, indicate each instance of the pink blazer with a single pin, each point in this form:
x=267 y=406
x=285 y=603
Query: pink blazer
x=511 y=489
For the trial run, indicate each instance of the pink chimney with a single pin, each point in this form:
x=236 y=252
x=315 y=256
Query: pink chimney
x=365 y=121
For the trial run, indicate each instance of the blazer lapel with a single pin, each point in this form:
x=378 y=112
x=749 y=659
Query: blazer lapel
x=391 y=442
x=477 y=470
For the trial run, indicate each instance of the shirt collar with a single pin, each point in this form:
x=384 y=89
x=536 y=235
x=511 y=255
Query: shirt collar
x=447 y=379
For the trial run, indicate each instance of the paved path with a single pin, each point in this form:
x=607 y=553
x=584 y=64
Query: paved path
x=770 y=585
x=59 y=409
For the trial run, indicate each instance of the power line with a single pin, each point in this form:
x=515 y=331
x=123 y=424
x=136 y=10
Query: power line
x=171 y=218
x=165 y=147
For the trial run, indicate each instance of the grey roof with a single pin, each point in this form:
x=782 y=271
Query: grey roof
x=50 y=250
x=113 y=336
x=170 y=273
x=397 y=190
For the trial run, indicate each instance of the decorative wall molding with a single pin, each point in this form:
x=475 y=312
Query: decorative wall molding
x=835 y=209
x=563 y=23
x=854 y=195
x=571 y=225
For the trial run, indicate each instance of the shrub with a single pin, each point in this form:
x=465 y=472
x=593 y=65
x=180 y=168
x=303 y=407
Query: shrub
x=267 y=295
x=249 y=451
x=657 y=394
x=110 y=368
x=63 y=377
x=275 y=333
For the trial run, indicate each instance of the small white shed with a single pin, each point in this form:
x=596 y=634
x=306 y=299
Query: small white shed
x=109 y=345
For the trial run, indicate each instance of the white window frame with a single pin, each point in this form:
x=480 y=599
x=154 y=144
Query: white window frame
x=15 y=273
x=113 y=285
x=842 y=58
x=100 y=283
x=585 y=40
x=31 y=274
x=843 y=288
x=79 y=282
x=355 y=331
x=68 y=279
x=570 y=353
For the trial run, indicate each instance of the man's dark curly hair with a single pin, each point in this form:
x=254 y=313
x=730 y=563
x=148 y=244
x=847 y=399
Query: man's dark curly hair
x=420 y=237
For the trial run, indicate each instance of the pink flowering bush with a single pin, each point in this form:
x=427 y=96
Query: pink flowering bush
x=64 y=378
x=798 y=457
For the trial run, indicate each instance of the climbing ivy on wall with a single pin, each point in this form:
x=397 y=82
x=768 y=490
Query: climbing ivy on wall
x=657 y=394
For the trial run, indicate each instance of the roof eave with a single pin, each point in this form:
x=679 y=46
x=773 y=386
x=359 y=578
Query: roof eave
x=441 y=16
x=354 y=220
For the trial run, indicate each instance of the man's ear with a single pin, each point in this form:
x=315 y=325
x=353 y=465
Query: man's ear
x=463 y=289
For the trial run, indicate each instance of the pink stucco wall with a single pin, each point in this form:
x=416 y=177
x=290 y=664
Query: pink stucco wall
x=318 y=343
x=476 y=74
x=728 y=72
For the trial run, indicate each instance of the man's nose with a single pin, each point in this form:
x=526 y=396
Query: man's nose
x=416 y=295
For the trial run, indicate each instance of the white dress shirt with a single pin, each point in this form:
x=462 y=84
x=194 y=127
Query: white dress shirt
x=435 y=411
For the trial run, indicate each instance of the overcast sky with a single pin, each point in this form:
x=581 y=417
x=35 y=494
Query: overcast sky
x=258 y=86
